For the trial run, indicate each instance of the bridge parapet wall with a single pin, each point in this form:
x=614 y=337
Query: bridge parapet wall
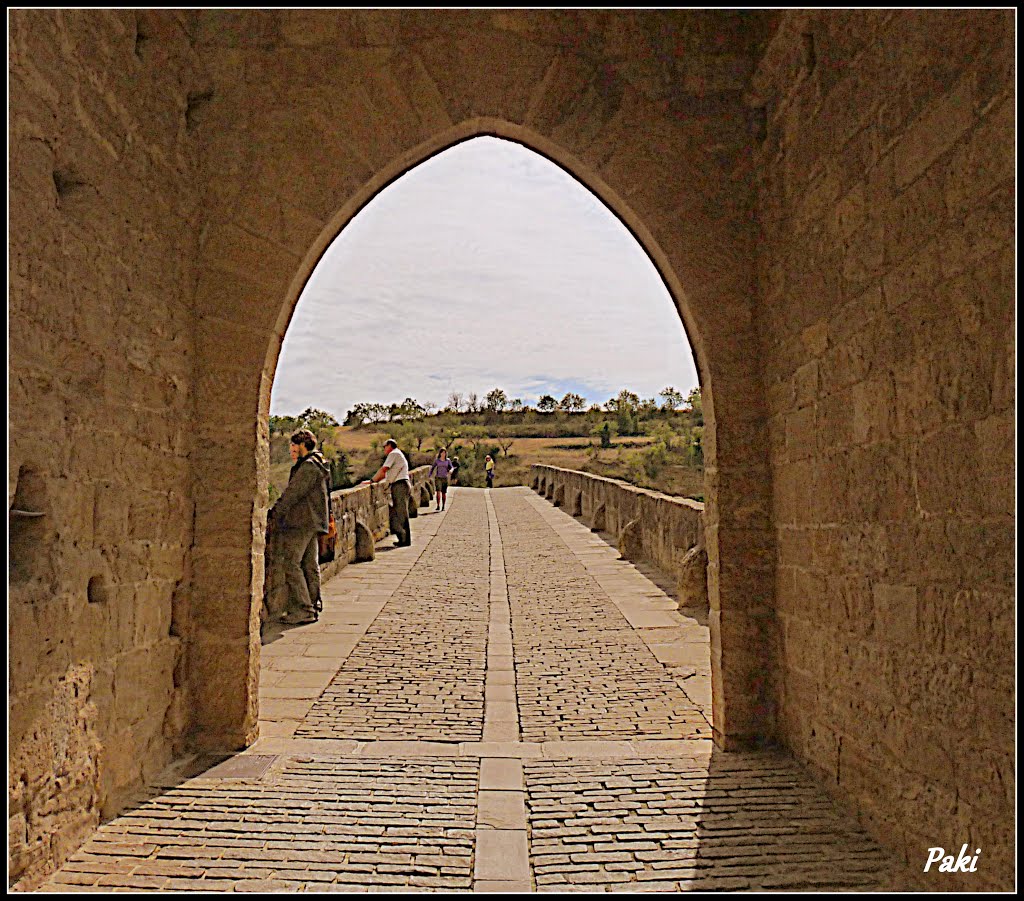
x=361 y=514
x=662 y=529
x=367 y=505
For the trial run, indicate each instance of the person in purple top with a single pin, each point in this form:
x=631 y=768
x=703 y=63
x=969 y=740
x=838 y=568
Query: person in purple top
x=441 y=470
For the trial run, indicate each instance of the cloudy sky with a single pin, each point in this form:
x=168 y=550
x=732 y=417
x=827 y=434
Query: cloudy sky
x=485 y=267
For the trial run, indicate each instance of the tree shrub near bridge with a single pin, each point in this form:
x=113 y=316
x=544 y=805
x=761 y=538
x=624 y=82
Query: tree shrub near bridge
x=632 y=438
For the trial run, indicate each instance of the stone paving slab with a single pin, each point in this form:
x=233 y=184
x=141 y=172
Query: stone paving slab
x=325 y=822
x=726 y=821
x=581 y=669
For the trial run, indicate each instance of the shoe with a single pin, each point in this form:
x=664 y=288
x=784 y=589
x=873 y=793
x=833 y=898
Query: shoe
x=299 y=618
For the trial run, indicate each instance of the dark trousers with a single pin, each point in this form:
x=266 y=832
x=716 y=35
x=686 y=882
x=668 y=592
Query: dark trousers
x=398 y=515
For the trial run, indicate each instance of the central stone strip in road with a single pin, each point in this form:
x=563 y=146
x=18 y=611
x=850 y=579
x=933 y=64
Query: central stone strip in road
x=581 y=669
x=502 y=861
x=418 y=673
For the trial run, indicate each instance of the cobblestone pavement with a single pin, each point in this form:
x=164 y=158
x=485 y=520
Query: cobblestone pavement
x=321 y=823
x=504 y=706
x=418 y=673
x=592 y=676
x=732 y=821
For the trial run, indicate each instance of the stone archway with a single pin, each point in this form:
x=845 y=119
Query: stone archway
x=174 y=175
x=738 y=509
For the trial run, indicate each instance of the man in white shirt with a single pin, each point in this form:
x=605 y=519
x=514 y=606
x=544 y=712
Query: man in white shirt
x=395 y=472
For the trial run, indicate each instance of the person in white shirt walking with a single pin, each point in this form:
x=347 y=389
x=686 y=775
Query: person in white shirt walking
x=395 y=473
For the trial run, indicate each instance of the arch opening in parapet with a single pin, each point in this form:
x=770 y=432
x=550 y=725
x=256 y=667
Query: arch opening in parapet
x=486 y=264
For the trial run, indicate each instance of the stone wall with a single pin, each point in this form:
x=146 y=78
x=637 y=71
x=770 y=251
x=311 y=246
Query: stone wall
x=102 y=242
x=361 y=516
x=367 y=506
x=886 y=202
x=649 y=525
x=835 y=226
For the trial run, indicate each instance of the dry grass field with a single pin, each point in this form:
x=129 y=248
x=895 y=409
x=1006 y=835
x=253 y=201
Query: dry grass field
x=570 y=453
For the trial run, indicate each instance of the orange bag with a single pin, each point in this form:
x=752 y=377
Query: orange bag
x=327 y=543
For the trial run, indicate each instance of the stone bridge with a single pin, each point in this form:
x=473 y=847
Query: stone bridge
x=507 y=705
x=829 y=197
x=648 y=525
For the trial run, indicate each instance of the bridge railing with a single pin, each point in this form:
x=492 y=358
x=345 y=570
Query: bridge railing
x=662 y=529
x=361 y=516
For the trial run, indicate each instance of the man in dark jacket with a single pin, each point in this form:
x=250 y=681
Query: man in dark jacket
x=299 y=515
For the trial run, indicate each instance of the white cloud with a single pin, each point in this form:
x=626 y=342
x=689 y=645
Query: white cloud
x=486 y=266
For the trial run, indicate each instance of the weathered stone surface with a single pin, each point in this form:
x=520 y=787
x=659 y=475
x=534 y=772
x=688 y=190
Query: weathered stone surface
x=692 y=585
x=884 y=392
x=845 y=274
x=418 y=673
x=315 y=814
x=650 y=525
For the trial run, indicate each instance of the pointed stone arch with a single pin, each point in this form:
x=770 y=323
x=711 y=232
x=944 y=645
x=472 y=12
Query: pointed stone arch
x=717 y=319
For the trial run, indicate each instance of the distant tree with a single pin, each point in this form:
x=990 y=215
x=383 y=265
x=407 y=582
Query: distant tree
x=472 y=403
x=447 y=437
x=604 y=432
x=456 y=402
x=476 y=435
x=404 y=433
x=408 y=409
x=697 y=410
x=378 y=413
x=282 y=424
x=572 y=403
x=626 y=422
x=625 y=406
x=357 y=416
x=547 y=404
x=648 y=407
x=673 y=399
x=315 y=420
x=411 y=433
x=496 y=400
x=341 y=471
x=516 y=405
x=696 y=445
x=506 y=444
x=623 y=401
